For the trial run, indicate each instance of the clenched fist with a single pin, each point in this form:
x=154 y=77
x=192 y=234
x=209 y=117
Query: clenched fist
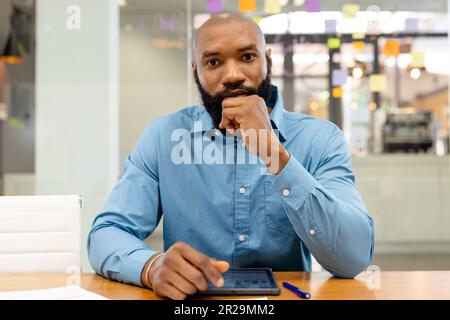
x=250 y=115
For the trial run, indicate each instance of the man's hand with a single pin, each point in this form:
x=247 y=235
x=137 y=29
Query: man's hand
x=250 y=115
x=182 y=271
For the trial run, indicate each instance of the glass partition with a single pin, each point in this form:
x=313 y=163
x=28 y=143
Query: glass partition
x=73 y=106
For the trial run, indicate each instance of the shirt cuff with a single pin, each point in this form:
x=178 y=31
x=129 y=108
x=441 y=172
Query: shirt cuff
x=294 y=184
x=134 y=264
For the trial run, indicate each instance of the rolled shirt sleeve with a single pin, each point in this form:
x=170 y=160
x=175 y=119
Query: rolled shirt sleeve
x=326 y=210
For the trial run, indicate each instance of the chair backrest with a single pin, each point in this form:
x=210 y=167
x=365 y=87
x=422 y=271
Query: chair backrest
x=40 y=233
x=315 y=266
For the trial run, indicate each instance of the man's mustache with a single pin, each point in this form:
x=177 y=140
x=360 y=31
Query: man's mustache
x=235 y=91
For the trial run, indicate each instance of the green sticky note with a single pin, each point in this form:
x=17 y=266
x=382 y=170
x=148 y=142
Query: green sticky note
x=257 y=19
x=334 y=43
x=15 y=122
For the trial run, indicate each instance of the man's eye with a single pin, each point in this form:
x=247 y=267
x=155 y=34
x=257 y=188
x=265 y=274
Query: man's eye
x=212 y=63
x=248 y=57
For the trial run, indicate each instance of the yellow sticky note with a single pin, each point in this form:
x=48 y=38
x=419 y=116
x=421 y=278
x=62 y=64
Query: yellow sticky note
x=247 y=5
x=391 y=48
x=358 y=36
x=418 y=59
x=378 y=83
x=334 y=43
x=337 y=92
x=359 y=45
x=350 y=10
x=272 y=6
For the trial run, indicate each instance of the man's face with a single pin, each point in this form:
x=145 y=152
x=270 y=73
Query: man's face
x=230 y=61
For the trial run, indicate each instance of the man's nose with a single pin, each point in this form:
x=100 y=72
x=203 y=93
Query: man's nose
x=232 y=74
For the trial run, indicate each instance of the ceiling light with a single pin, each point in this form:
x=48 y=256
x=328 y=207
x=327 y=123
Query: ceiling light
x=357 y=73
x=415 y=73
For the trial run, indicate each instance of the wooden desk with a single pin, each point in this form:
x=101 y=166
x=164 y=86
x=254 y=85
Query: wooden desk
x=393 y=285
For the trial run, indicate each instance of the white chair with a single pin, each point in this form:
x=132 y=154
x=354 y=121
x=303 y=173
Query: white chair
x=315 y=266
x=40 y=233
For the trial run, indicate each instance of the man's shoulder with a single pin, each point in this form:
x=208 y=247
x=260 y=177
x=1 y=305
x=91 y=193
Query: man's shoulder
x=182 y=119
x=313 y=137
x=308 y=124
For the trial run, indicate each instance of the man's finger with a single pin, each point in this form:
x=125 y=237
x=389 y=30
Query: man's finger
x=181 y=283
x=235 y=101
x=226 y=123
x=230 y=116
x=231 y=102
x=203 y=263
x=192 y=274
x=221 y=266
x=172 y=292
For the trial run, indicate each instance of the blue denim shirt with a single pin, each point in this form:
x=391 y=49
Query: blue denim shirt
x=235 y=210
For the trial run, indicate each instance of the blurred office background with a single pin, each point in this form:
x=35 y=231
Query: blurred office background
x=81 y=79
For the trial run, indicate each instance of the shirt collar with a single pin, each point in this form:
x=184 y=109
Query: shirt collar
x=276 y=116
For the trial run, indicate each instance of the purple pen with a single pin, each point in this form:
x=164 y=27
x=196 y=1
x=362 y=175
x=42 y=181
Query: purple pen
x=300 y=293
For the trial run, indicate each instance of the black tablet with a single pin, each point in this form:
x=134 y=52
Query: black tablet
x=246 y=281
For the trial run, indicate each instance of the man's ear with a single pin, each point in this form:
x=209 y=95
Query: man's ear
x=194 y=65
x=269 y=57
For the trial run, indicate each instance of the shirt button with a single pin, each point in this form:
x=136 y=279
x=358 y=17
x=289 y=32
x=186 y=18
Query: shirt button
x=286 y=192
x=242 y=190
x=241 y=238
x=312 y=232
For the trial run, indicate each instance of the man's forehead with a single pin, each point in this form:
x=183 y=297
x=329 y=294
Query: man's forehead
x=227 y=20
x=232 y=35
x=227 y=37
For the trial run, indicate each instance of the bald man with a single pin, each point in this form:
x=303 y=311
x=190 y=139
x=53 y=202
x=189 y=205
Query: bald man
x=240 y=182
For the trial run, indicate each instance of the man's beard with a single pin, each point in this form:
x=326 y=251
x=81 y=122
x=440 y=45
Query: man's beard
x=213 y=103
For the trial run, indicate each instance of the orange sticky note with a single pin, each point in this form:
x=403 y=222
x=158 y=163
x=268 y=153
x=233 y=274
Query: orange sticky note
x=391 y=48
x=247 y=5
x=337 y=92
x=359 y=45
x=378 y=83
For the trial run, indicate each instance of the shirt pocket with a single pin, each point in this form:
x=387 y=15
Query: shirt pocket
x=275 y=217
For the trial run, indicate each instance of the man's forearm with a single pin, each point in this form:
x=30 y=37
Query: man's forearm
x=336 y=229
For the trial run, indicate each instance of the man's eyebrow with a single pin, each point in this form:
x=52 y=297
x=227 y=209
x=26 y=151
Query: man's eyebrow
x=249 y=47
x=207 y=54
